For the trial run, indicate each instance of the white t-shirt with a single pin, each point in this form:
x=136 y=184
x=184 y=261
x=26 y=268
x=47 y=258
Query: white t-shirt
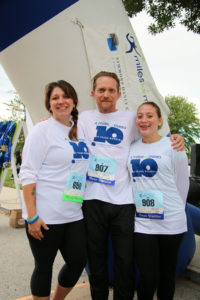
x=160 y=184
x=109 y=137
x=47 y=158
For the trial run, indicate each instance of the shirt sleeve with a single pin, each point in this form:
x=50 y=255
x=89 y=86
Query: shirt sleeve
x=34 y=152
x=181 y=173
x=135 y=132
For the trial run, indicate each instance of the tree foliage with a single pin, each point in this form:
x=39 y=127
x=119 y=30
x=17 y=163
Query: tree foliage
x=16 y=108
x=165 y=13
x=183 y=120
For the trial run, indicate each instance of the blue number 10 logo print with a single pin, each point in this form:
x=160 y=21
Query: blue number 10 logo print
x=111 y=135
x=147 y=167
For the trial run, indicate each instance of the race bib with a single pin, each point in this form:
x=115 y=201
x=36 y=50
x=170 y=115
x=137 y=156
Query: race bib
x=149 y=204
x=102 y=169
x=75 y=187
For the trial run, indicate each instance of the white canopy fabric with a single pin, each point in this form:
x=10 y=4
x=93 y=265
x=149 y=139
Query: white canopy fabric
x=77 y=42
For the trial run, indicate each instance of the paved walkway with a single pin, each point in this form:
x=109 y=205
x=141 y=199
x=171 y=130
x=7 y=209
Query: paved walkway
x=9 y=199
x=16 y=263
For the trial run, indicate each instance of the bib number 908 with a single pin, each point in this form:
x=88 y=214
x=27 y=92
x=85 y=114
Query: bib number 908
x=148 y=202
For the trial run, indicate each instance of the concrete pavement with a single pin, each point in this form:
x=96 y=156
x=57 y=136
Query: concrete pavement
x=9 y=199
x=16 y=263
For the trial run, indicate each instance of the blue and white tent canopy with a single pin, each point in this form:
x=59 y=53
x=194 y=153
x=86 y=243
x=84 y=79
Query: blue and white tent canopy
x=43 y=41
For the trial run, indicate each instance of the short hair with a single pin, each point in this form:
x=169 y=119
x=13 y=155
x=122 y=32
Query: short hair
x=108 y=74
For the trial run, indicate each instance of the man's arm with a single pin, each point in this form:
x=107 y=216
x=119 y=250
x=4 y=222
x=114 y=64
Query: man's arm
x=177 y=142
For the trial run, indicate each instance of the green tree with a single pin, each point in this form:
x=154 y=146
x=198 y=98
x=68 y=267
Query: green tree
x=165 y=13
x=16 y=108
x=183 y=120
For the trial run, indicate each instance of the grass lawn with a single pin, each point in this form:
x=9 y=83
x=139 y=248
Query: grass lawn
x=10 y=182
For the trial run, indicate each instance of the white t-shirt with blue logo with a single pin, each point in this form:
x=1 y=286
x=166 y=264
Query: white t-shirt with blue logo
x=109 y=137
x=48 y=157
x=160 y=185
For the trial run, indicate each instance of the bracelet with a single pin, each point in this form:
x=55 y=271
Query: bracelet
x=33 y=219
x=31 y=222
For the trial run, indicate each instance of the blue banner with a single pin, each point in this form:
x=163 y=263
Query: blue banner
x=19 y=17
x=7 y=131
